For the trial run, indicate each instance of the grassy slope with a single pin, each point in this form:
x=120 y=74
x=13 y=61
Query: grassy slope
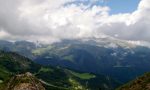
x=85 y=76
x=141 y=83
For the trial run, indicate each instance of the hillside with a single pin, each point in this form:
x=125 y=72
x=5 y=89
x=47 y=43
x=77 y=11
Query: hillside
x=140 y=83
x=52 y=78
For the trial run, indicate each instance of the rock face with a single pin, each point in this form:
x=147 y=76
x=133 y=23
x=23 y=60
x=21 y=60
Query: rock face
x=24 y=82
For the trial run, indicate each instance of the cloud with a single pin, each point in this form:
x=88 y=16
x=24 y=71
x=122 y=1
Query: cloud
x=52 y=20
x=130 y=26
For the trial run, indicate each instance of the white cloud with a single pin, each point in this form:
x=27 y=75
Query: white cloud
x=131 y=26
x=50 y=20
x=3 y=34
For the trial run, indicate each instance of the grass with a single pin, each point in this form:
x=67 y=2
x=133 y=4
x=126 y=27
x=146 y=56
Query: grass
x=43 y=69
x=1 y=81
x=83 y=75
x=69 y=58
x=76 y=85
x=4 y=74
x=40 y=51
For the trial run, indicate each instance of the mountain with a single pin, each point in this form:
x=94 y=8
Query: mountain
x=140 y=83
x=13 y=66
x=120 y=59
x=22 y=47
x=116 y=60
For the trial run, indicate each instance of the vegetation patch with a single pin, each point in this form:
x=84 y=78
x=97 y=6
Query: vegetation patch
x=83 y=75
x=69 y=58
x=40 y=51
x=44 y=69
x=76 y=85
x=1 y=81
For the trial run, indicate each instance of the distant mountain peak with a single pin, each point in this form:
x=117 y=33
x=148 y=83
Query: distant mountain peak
x=140 y=43
x=108 y=41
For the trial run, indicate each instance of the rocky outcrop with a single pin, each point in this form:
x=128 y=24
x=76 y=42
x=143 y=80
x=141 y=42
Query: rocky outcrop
x=24 y=82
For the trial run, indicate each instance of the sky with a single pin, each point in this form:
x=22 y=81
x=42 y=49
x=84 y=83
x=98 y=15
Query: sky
x=52 y=20
x=121 y=6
